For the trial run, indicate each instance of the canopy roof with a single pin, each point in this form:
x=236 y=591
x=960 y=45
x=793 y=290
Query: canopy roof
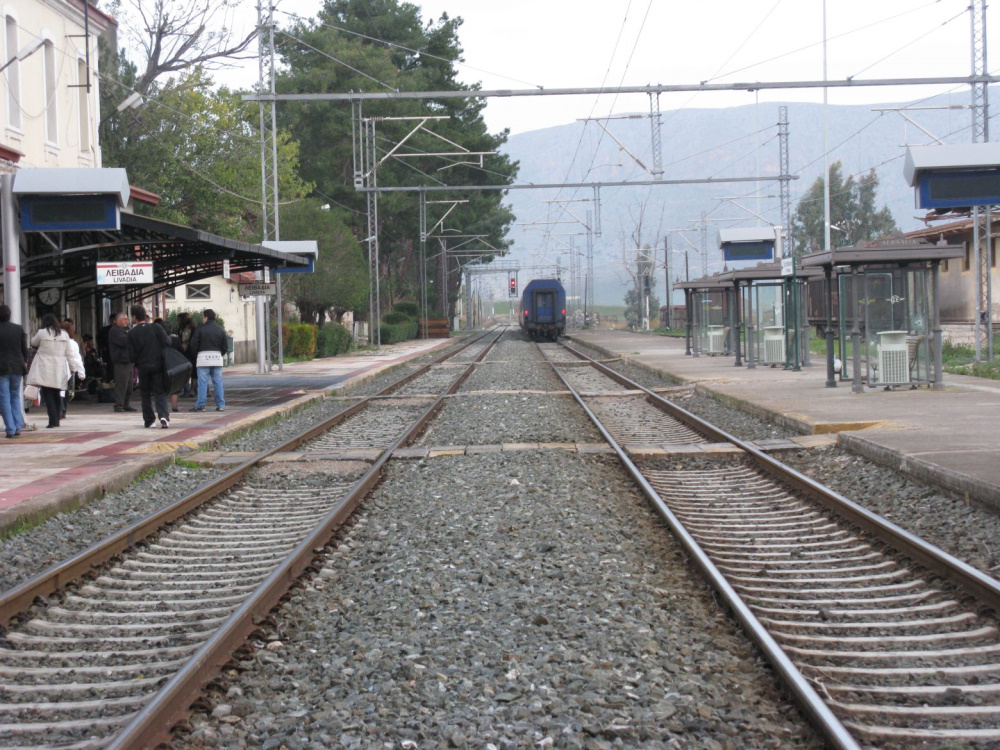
x=180 y=255
x=898 y=251
x=73 y=181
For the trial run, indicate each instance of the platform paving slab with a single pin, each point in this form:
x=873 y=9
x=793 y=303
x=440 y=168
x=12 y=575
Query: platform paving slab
x=95 y=450
x=949 y=437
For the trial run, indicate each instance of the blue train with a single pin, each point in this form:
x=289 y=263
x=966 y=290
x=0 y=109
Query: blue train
x=543 y=309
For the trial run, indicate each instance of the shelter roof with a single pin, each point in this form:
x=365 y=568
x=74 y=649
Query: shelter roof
x=765 y=272
x=716 y=281
x=948 y=157
x=73 y=181
x=745 y=234
x=180 y=255
x=898 y=251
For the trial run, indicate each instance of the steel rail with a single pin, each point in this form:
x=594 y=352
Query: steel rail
x=20 y=598
x=152 y=725
x=815 y=708
x=949 y=567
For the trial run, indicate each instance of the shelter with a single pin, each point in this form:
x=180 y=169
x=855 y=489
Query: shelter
x=771 y=324
x=73 y=220
x=745 y=312
x=889 y=297
x=709 y=305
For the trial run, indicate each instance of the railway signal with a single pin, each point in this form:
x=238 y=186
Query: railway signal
x=512 y=285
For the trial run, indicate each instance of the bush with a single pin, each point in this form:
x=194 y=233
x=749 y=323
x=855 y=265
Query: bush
x=300 y=340
x=393 y=333
x=395 y=317
x=407 y=308
x=332 y=340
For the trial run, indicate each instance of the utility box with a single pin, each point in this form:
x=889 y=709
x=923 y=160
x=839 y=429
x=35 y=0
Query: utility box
x=716 y=340
x=893 y=358
x=774 y=345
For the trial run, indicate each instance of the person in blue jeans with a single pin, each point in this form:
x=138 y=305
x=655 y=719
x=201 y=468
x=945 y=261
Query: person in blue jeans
x=208 y=344
x=13 y=366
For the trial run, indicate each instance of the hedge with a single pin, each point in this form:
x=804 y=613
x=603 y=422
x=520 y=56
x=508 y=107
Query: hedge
x=407 y=308
x=393 y=333
x=395 y=317
x=332 y=340
x=300 y=340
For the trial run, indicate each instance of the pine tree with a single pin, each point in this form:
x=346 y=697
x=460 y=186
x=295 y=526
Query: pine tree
x=853 y=215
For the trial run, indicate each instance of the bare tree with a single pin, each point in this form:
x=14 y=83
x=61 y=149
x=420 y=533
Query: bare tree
x=175 y=34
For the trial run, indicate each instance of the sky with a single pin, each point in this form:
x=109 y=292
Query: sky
x=526 y=44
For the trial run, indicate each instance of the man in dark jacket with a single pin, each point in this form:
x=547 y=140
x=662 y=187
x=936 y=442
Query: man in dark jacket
x=118 y=347
x=209 y=347
x=104 y=346
x=146 y=342
x=13 y=359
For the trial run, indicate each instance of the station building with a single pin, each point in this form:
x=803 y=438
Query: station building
x=64 y=216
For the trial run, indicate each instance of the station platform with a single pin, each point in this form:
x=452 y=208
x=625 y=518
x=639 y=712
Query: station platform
x=949 y=438
x=96 y=450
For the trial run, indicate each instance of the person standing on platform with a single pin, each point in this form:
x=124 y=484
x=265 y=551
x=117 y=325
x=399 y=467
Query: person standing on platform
x=51 y=367
x=146 y=342
x=13 y=365
x=76 y=366
x=118 y=348
x=104 y=346
x=209 y=347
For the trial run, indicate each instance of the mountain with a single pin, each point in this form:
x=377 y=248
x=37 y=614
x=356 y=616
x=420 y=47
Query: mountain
x=700 y=143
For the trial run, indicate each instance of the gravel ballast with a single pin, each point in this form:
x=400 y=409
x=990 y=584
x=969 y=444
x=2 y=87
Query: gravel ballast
x=529 y=599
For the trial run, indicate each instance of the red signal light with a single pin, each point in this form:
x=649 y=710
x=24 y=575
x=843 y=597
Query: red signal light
x=525 y=312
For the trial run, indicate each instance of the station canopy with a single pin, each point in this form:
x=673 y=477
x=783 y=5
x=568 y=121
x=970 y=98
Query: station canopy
x=180 y=255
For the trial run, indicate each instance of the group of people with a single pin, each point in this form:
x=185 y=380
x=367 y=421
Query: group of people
x=55 y=361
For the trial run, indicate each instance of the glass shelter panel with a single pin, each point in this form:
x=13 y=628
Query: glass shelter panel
x=764 y=323
x=711 y=321
x=893 y=309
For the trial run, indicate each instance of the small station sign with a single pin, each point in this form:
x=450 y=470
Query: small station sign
x=258 y=289
x=125 y=273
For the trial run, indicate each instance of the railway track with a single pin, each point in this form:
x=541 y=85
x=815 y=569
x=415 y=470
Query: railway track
x=114 y=662
x=882 y=638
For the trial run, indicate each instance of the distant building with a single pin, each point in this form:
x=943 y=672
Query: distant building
x=237 y=315
x=959 y=279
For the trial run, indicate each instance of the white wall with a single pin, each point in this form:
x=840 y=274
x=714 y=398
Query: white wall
x=43 y=112
x=237 y=315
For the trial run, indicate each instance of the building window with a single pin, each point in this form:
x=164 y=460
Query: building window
x=170 y=294
x=51 y=116
x=967 y=259
x=84 y=96
x=13 y=76
x=944 y=266
x=199 y=291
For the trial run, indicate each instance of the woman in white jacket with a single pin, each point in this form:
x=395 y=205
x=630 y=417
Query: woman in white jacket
x=51 y=366
x=76 y=365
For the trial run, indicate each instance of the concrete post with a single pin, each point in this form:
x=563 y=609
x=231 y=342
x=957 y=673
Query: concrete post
x=11 y=249
x=938 y=363
x=831 y=376
x=856 y=386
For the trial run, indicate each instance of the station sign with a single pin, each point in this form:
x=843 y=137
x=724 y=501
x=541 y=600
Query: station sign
x=109 y=274
x=258 y=289
x=788 y=266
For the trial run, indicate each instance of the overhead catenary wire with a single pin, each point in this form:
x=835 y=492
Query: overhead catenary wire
x=394 y=45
